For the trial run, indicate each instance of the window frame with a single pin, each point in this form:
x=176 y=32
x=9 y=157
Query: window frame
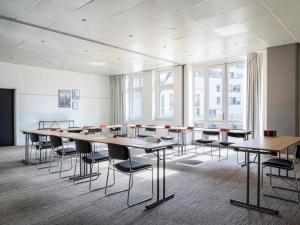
x=133 y=90
x=225 y=91
x=158 y=89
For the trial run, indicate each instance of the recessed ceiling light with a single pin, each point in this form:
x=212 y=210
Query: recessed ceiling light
x=95 y=63
x=232 y=29
x=43 y=41
x=130 y=35
x=84 y=20
x=164 y=46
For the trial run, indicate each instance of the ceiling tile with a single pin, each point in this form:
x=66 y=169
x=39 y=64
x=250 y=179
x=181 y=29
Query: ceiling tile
x=126 y=4
x=151 y=10
x=203 y=10
x=179 y=4
x=46 y=13
x=14 y=8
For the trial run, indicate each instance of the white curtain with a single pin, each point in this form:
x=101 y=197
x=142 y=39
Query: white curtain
x=117 y=93
x=254 y=93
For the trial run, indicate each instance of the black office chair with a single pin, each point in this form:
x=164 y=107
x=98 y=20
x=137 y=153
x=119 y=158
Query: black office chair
x=169 y=137
x=284 y=164
x=90 y=158
x=205 y=141
x=61 y=152
x=148 y=132
x=117 y=131
x=242 y=136
x=39 y=144
x=126 y=166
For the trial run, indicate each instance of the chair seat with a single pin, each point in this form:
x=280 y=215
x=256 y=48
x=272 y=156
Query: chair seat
x=167 y=138
x=143 y=135
x=279 y=163
x=136 y=165
x=226 y=143
x=203 y=141
x=44 y=145
x=121 y=135
x=67 y=151
x=97 y=157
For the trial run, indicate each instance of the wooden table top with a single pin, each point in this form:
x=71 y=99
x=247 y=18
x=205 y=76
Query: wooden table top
x=275 y=144
x=130 y=142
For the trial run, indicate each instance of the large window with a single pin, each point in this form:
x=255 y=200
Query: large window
x=219 y=96
x=165 y=95
x=136 y=97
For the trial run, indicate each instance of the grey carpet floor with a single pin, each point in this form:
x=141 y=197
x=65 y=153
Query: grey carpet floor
x=202 y=193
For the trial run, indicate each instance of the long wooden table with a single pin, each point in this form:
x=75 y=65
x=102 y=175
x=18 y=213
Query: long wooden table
x=149 y=147
x=261 y=146
x=183 y=131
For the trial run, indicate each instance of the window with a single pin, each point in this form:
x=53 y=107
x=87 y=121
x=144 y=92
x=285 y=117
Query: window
x=234 y=87
x=136 y=98
x=218 y=100
x=219 y=96
x=165 y=95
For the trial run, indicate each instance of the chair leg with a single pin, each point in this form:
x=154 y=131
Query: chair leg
x=129 y=187
x=271 y=177
x=50 y=162
x=75 y=169
x=296 y=179
x=211 y=152
x=262 y=179
x=61 y=165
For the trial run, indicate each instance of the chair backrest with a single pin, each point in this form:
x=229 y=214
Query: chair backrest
x=236 y=135
x=83 y=146
x=211 y=133
x=34 y=137
x=176 y=131
x=118 y=152
x=113 y=129
x=150 y=129
x=55 y=141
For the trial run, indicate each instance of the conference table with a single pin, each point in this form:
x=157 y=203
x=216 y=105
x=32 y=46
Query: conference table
x=262 y=145
x=184 y=131
x=149 y=147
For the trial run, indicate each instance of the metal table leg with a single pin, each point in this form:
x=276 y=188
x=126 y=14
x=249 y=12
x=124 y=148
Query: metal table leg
x=164 y=197
x=247 y=204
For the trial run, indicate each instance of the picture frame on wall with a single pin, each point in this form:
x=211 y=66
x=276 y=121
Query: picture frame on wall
x=75 y=94
x=75 y=105
x=64 y=98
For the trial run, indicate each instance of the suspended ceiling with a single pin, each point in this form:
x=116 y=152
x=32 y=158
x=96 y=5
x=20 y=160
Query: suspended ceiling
x=127 y=36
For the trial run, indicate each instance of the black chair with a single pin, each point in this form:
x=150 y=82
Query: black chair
x=117 y=131
x=241 y=135
x=169 y=137
x=61 y=152
x=205 y=141
x=39 y=144
x=284 y=164
x=148 y=132
x=90 y=158
x=126 y=166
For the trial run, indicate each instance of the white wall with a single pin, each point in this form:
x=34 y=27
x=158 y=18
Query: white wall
x=36 y=96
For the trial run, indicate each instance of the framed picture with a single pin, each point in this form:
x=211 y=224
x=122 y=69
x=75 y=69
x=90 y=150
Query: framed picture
x=75 y=94
x=74 y=105
x=64 y=98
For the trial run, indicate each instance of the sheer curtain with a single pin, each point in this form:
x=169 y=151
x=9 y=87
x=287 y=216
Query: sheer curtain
x=254 y=93
x=117 y=93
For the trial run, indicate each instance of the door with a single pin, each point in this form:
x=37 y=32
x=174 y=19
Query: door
x=6 y=117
